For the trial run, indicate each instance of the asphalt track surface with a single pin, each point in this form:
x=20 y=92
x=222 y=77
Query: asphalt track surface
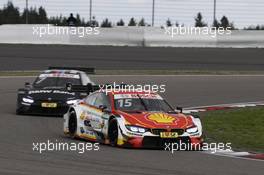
x=19 y=132
x=39 y=57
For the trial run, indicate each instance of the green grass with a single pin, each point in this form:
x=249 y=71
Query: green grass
x=243 y=128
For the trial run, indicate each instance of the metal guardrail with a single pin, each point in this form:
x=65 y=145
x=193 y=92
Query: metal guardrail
x=132 y=36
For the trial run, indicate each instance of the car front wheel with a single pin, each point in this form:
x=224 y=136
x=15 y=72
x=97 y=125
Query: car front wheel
x=72 y=124
x=113 y=132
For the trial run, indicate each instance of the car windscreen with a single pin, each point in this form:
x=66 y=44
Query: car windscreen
x=59 y=80
x=137 y=102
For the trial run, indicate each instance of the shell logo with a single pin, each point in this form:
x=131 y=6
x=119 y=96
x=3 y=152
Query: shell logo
x=82 y=116
x=161 y=118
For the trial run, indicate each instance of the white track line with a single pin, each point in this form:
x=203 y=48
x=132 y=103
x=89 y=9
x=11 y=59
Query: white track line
x=228 y=105
x=233 y=156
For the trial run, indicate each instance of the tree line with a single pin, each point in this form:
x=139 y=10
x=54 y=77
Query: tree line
x=224 y=22
x=11 y=15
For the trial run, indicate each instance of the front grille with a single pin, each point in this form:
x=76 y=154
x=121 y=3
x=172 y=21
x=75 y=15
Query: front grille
x=157 y=142
x=158 y=131
x=36 y=108
x=59 y=102
x=48 y=111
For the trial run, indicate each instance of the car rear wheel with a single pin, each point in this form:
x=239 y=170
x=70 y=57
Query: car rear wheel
x=72 y=124
x=113 y=132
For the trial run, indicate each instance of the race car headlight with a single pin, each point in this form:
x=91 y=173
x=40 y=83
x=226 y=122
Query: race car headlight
x=70 y=102
x=192 y=130
x=28 y=100
x=136 y=129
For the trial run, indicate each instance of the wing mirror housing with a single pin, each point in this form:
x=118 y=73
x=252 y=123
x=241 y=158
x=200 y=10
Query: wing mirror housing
x=179 y=109
x=103 y=108
x=68 y=87
x=27 y=85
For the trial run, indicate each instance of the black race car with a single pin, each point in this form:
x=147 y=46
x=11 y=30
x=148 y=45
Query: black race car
x=48 y=94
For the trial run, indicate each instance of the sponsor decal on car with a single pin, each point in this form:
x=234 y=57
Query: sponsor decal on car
x=49 y=105
x=82 y=116
x=169 y=135
x=50 y=91
x=147 y=96
x=82 y=130
x=161 y=118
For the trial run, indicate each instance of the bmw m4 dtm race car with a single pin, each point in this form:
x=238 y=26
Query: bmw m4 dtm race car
x=130 y=119
x=47 y=95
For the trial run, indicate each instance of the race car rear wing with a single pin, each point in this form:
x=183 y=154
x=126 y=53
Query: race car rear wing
x=89 y=70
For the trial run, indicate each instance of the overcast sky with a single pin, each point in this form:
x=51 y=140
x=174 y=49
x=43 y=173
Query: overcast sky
x=241 y=12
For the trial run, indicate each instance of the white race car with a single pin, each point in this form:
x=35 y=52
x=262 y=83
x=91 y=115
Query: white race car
x=130 y=119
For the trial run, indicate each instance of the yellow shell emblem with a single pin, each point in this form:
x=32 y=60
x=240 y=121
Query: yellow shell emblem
x=161 y=118
x=82 y=116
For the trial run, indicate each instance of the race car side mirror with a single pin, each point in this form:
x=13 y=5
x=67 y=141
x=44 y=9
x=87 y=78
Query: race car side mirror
x=179 y=109
x=27 y=85
x=103 y=108
x=68 y=87
x=90 y=87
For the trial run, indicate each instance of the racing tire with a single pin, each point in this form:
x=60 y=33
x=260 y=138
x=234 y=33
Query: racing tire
x=113 y=132
x=72 y=124
x=19 y=112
